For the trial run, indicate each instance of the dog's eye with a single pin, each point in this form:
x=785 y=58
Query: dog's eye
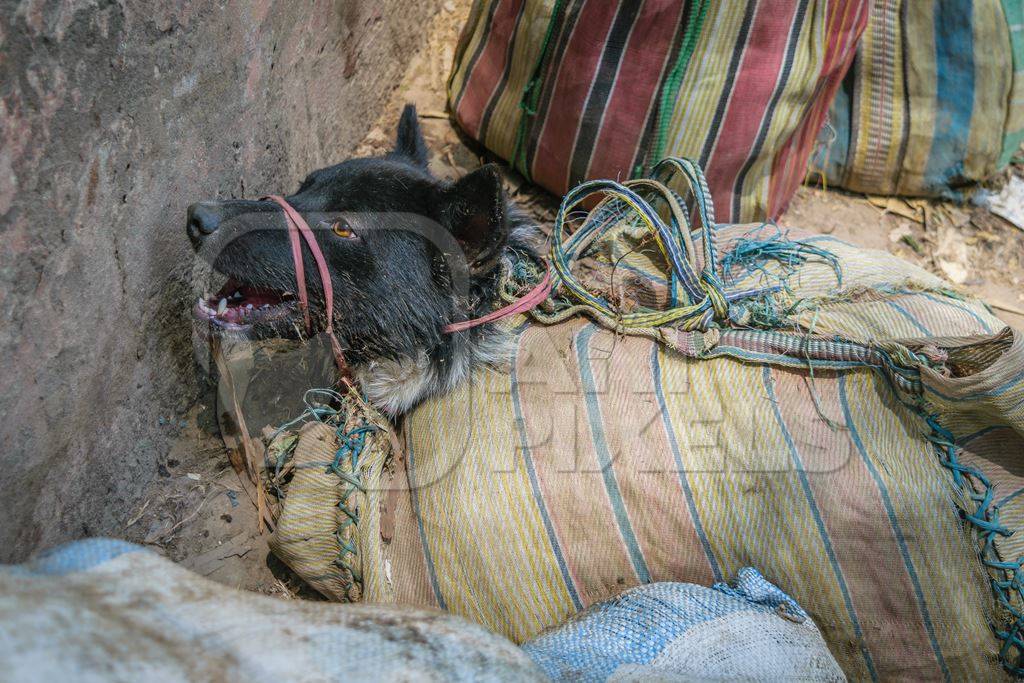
x=342 y=229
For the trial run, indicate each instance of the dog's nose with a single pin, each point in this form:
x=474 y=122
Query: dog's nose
x=203 y=219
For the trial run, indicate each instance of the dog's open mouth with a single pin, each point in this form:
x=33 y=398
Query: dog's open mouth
x=237 y=307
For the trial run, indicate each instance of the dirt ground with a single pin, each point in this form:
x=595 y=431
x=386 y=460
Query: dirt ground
x=198 y=513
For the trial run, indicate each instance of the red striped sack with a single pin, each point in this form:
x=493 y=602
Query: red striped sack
x=570 y=90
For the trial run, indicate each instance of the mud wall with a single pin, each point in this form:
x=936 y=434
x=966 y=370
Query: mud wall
x=114 y=116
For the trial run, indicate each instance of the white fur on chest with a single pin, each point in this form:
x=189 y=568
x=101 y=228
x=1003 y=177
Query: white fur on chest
x=395 y=386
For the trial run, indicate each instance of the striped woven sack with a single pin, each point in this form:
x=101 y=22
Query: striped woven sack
x=934 y=102
x=839 y=419
x=569 y=90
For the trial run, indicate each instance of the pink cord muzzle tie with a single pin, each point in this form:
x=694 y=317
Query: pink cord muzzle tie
x=527 y=302
x=297 y=226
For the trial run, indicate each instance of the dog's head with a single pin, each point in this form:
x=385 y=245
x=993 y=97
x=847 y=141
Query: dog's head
x=407 y=253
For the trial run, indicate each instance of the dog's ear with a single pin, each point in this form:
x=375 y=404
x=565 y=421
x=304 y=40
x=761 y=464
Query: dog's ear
x=410 y=142
x=473 y=210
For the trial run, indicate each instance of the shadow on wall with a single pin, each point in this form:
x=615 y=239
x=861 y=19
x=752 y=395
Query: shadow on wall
x=114 y=117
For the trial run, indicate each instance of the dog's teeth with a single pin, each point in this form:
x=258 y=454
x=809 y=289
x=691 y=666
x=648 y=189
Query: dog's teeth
x=236 y=295
x=248 y=307
x=222 y=307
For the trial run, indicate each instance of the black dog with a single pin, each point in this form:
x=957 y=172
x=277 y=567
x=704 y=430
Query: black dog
x=407 y=254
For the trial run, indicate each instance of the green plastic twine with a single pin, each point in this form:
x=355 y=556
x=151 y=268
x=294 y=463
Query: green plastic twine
x=694 y=22
x=531 y=95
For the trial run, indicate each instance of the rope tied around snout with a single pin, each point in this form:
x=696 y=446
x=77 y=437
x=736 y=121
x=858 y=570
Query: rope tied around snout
x=299 y=230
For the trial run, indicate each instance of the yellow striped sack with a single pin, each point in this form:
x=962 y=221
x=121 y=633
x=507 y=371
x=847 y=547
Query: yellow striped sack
x=597 y=462
x=855 y=435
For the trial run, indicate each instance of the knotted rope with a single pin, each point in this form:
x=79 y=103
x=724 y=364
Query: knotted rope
x=359 y=432
x=1006 y=577
x=346 y=466
x=702 y=302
